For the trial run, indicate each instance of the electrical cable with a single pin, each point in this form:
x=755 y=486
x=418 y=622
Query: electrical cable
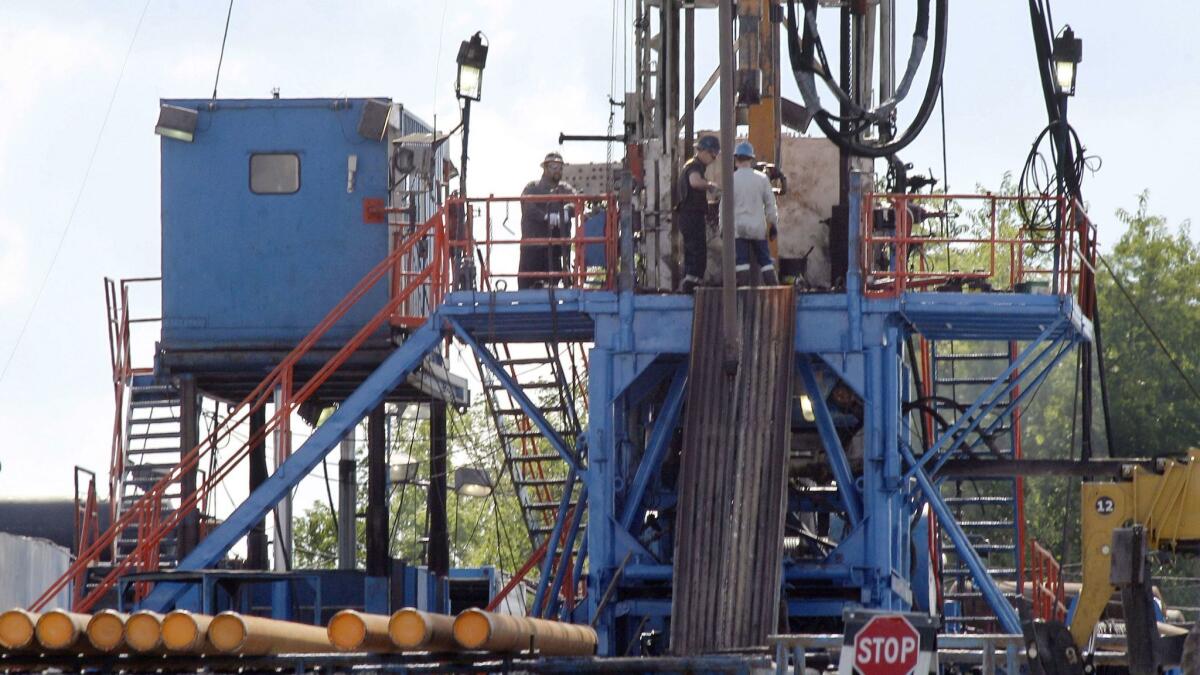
x=221 y=58
x=87 y=172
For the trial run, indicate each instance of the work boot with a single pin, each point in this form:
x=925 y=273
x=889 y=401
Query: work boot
x=769 y=278
x=743 y=278
x=688 y=287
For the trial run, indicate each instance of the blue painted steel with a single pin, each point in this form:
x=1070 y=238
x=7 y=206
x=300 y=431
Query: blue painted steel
x=984 y=581
x=974 y=415
x=568 y=545
x=530 y=408
x=851 y=499
x=1029 y=389
x=383 y=380
x=259 y=270
x=560 y=520
x=660 y=438
x=577 y=572
x=594 y=255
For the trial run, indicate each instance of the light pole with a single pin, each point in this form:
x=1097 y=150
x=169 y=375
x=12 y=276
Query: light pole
x=472 y=57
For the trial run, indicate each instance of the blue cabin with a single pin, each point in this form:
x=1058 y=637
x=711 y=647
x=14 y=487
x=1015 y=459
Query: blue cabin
x=272 y=210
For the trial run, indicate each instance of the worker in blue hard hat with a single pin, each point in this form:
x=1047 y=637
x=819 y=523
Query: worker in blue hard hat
x=543 y=264
x=692 y=209
x=755 y=216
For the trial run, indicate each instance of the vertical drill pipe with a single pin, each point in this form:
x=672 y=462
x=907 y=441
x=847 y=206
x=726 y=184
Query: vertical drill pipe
x=689 y=79
x=728 y=123
x=185 y=632
x=106 y=630
x=57 y=629
x=256 y=540
x=346 y=505
x=233 y=633
x=143 y=631
x=476 y=629
x=353 y=631
x=438 y=555
x=412 y=630
x=16 y=629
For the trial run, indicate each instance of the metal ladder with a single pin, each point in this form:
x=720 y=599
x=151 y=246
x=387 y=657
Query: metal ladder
x=989 y=510
x=537 y=472
x=153 y=440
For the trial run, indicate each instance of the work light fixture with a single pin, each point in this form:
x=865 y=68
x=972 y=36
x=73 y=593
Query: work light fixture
x=470 y=481
x=472 y=57
x=1068 y=53
x=176 y=122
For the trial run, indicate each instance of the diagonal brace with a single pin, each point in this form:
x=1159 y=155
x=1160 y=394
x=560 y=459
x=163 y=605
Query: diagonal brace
x=974 y=413
x=987 y=585
x=660 y=438
x=514 y=389
x=851 y=499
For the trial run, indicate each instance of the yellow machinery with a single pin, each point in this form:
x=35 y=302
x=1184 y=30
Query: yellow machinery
x=1121 y=521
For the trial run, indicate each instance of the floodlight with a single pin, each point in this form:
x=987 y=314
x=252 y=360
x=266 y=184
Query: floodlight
x=472 y=57
x=176 y=122
x=470 y=481
x=1068 y=53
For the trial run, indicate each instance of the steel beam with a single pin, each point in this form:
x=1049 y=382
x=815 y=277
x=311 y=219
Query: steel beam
x=560 y=520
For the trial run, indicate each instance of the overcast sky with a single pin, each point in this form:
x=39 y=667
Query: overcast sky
x=549 y=70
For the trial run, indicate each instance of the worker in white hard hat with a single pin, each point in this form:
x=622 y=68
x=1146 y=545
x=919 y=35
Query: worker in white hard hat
x=755 y=216
x=542 y=265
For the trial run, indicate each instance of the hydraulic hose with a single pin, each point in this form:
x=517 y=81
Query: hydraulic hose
x=802 y=51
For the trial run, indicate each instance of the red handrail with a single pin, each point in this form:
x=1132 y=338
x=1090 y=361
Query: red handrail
x=145 y=512
x=1048 y=590
x=1073 y=250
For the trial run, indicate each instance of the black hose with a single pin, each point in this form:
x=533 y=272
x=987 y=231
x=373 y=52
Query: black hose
x=801 y=53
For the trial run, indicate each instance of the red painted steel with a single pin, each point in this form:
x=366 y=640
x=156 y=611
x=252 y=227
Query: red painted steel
x=1009 y=258
x=1049 y=593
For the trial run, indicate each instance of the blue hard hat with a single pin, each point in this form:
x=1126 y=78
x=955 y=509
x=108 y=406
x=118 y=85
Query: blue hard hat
x=709 y=143
x=744 y=149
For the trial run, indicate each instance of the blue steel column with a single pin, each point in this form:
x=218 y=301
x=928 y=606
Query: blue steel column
x=882 y=496
x=600 y=479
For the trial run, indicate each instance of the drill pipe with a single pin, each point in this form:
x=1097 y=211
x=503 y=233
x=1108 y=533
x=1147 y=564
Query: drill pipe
x=143 y=631
x=476 y=629
x=16 y=629
x=415 y=631
x=353 y=631
x=106 y=630
x=183 y=631
x=58 y=629
x=235 y=633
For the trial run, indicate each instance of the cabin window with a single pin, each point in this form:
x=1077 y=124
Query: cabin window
x=274 y=173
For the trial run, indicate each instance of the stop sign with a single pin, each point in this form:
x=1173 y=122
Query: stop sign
x=886 y=645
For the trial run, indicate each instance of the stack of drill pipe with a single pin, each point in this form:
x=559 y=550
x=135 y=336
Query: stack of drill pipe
x=143 y=631
x=63 y=631
x=354 y=631
x=16 y=630
x=412 y=630
x=477 y=630
x=186 y=633
x=233 y=633
x=733 y=471
x=106 y=630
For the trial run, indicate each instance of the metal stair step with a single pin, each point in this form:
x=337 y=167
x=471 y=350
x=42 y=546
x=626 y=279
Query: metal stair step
x=995 y=524
x=518 y=411
x=173 y=419
x=535 y=458
x=527 y=385
x=153 y=434
x=977 y=500
x=975 y=356
x=520 y=434
x=542 y=506
x=963 y=571
x=531 y=361
x=964 y=380
x=536 y=482
x=152 y=450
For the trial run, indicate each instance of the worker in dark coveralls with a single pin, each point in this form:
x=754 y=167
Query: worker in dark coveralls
x=542 y=220
x=692 y=209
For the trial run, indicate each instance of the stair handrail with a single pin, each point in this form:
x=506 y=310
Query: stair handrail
x=281 y=375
